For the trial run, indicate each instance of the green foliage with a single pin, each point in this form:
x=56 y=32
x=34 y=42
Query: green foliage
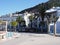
x=54 y=2
x=14 y=23
x=49 y=4
x=19 y=19
x=31 y=17
x=42 y=10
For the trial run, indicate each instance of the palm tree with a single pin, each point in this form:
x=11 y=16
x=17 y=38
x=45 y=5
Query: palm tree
x=20 y=20
x=14 y=24
x=31 y=19
x=42 y=10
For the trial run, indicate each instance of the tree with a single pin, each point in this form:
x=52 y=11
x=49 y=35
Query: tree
x=54 y=3
x=42 y=10
x=31 y=19
x=14 y=24
x=48 y=16
x=19 y=20
x=54 y=20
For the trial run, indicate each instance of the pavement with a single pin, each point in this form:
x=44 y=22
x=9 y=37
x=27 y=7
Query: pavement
x=32 y=39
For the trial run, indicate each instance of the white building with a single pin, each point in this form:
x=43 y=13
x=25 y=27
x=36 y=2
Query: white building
x=25 y=16
x=9 y=17
x=12 y=17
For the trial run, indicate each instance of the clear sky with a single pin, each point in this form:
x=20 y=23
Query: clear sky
x=11 y=6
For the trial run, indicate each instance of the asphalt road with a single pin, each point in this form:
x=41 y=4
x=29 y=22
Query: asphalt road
x=32 y=39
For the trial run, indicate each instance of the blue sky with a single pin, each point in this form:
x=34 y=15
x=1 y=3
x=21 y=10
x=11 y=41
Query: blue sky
x=11 y=6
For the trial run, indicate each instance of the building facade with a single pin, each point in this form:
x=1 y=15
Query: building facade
x=35 y=22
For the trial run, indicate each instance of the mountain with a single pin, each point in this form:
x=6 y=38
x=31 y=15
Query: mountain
x=47 y=5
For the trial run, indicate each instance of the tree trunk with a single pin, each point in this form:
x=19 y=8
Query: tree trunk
x=18 y=25
x=54 y=29
x=41 y=28
x=48 y=27
x=31 y=23
x=15 y=29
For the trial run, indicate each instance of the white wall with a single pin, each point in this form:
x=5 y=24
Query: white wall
x=58 y=12
x=51 y=26
x=58 y=27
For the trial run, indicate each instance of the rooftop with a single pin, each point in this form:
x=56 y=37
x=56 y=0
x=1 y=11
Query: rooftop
x=53 y=9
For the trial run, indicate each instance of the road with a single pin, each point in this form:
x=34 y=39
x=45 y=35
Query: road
x=32 y=39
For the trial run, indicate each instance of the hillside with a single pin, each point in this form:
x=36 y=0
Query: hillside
x=47 y=5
